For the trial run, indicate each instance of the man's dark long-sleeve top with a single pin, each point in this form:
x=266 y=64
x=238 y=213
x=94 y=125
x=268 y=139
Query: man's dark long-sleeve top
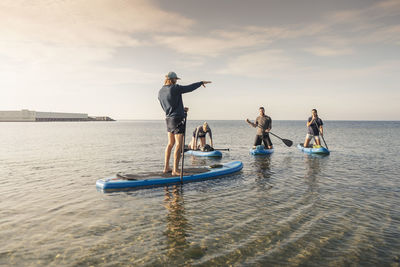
x=170 y=97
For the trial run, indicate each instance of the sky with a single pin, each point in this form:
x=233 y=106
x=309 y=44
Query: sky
x=110 y=57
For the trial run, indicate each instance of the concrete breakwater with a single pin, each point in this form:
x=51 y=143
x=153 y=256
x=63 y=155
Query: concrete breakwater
x=31 y=116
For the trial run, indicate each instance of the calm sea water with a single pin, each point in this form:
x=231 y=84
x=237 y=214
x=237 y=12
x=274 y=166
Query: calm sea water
x=288 y=209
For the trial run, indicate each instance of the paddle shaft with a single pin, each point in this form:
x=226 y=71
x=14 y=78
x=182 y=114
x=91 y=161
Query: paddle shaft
x=275 y=135
x=222 y=149
x=183 y=147
x=285 y=141
x=323 y=139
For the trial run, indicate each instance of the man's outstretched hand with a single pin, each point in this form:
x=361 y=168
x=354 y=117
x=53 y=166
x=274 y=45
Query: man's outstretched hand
x=205 y=82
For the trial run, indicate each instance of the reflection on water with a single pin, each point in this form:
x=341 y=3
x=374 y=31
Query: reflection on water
x=314 y=165
x=177 y=224
x=313 y=168
x=178 y=248
x=262 y=171
x=263 y=167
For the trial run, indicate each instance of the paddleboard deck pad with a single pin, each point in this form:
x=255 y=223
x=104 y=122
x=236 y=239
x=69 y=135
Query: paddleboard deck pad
x=199 y=153
x=150 y=180
x=311 y=150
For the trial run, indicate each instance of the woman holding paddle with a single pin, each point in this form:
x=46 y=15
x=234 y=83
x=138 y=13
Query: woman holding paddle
x=170 y=97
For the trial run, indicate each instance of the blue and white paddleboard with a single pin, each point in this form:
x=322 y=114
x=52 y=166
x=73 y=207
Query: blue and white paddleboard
x=260 y=150
x=199 y=153
x=311 y=150
x=156 y=179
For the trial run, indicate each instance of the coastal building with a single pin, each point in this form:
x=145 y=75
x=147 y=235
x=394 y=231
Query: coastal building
x=101 y=118
x=30 y=115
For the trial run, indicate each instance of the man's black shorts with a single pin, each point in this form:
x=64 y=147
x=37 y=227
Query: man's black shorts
x=175 y=125
x=263 y=138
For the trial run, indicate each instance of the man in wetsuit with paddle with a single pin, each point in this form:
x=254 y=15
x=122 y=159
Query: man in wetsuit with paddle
x=170 y=97
x=263 y=124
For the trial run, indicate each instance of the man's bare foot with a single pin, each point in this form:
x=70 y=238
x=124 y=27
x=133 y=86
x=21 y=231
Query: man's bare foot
x=178 y=173
x=167 y=170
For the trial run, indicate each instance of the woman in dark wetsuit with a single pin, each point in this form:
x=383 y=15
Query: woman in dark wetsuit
x=201 y=132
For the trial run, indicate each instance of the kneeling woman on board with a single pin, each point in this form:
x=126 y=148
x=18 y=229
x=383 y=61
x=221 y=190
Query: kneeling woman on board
x=201 y=132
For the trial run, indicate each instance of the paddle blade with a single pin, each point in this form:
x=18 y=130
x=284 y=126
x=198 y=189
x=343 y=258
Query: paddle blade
x=287 y=142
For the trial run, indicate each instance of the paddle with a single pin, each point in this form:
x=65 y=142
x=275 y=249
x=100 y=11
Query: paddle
x=323 y=139
x=183 y=147
x=287 y=142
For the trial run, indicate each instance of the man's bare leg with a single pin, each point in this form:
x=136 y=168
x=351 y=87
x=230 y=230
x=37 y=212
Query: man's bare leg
x=307 y=141
x=168 y=149
x=177 y=154
x=317 y=141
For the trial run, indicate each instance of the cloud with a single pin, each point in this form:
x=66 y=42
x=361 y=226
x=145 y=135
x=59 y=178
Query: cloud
x=189 y=62
x=386 y=8
x=87 y=30
x=371 y=24
x=386 y=34
x=62 y=45
x=217 y=43
x=325 y=51
x=259 y=64
x=336 y=35
x=278 y=65
x=347 y=29
x=85 y=22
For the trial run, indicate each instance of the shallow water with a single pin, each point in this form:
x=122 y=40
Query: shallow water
x=287 y=209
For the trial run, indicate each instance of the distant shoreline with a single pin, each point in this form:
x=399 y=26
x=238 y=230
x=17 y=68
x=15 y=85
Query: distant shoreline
x=26 y=115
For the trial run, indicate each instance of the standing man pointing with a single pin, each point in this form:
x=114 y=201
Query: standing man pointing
x=170 y=97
